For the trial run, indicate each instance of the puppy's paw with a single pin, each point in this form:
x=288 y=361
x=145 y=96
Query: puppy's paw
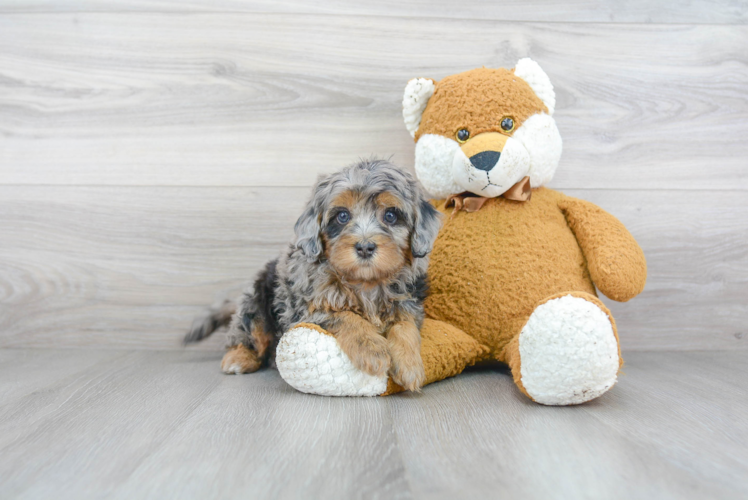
x=239 y=359
x=369 y=354
x=311 y=360
x=407 y=371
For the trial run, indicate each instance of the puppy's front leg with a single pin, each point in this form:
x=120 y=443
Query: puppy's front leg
x=361 y=342
x=405 y=348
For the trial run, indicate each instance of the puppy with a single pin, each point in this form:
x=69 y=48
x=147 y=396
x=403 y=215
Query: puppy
x=357 y=268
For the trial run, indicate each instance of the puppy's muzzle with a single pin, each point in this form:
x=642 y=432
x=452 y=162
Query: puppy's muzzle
x=365 y=249
x=484 y=150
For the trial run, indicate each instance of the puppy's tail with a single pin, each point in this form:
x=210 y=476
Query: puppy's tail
x=204 y=326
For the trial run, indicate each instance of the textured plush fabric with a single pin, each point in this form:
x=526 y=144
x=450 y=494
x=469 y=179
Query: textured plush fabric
x=567 y=344
x=492 y=268
x=480 y=101
x=454 y=104
x=434 y=157
x=614 y=259
x=446 y=351
x=416 y=96
x=531 y=72
x=311 y=361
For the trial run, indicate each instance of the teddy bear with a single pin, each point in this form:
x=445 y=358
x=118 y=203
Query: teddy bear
x=514 y=270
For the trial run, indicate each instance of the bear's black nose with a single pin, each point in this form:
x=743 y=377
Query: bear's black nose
x=485 y=160
x=365 y=249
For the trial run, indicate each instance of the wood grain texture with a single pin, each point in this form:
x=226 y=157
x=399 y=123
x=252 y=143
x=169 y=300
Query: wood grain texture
x=274 y=99
x=130 y=267
x=96 y=429
x=652 y=436
x=610 y=11
x=142 y=262
x=23 y=372
x=170 y=425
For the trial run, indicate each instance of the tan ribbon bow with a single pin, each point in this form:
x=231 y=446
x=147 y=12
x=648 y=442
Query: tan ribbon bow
x=468 y=202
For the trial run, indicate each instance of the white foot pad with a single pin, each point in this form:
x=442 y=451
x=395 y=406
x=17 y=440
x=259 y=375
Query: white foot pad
x=568 y=352
x=312 y=362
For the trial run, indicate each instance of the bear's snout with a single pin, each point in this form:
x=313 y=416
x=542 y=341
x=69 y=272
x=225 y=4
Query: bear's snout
x=485 y=160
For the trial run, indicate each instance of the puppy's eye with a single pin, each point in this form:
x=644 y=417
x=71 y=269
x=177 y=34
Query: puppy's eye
x=463 y=135
x=507 y=124
x=390 y=216
x=343 y=217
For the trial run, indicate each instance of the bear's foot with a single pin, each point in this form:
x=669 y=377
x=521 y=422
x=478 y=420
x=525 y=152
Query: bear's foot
x=568 y=351
x=310 y=360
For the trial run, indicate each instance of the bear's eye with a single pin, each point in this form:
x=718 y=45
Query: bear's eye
x=507 y=124
x=463 y=135
x=343 y=217
x=390 y=216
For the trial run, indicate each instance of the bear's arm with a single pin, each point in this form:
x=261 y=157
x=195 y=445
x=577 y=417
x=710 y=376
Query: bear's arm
x=616 y=262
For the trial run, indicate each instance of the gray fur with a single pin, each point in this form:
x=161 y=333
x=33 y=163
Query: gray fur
x=220 y=315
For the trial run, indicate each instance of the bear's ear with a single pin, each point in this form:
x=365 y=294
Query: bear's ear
x=417 y=95
x=530 y=71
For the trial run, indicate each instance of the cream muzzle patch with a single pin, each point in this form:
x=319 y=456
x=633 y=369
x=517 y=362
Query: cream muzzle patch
x=493 y=166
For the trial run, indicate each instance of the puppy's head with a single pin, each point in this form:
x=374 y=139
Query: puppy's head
x=369 y=221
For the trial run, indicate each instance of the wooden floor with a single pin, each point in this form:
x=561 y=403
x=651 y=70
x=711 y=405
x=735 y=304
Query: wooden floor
x=166 y=424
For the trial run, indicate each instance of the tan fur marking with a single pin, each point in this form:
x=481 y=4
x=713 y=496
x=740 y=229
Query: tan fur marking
x=262 y=340
x=347 y=199
x=342 y=253
x=387 y=200
x=239 y=359
x=387 y=260
x=405 y=349
x=360 y=341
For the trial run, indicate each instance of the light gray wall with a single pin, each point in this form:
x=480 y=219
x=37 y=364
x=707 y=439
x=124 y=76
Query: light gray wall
x=154 y=154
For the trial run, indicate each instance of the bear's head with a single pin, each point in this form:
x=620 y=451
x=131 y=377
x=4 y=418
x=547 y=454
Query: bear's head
x=483 y=130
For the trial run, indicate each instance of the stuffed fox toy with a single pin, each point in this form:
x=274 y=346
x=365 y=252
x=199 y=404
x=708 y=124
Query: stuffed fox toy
x=514 y=269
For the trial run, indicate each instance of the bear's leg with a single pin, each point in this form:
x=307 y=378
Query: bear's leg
x=310 y=360
x=568 y=352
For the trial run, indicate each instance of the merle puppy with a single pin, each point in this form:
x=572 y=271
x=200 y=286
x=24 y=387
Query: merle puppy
x=357 y=268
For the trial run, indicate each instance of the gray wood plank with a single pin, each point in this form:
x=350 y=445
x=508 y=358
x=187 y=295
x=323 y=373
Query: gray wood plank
x=265 y=100
x=652 y=436
x=80 y=437
x=141 y=261
x=622 y=11
x=258 y=436
x=23 y=372
x=705 y=395
x=131 y=267
x=169 y=425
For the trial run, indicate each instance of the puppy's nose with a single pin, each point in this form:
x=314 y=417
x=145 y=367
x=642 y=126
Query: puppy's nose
x=485 y=160
x=365 y=249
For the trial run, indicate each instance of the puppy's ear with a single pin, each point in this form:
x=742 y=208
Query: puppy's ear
x=427 y=224
x=307 y=231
